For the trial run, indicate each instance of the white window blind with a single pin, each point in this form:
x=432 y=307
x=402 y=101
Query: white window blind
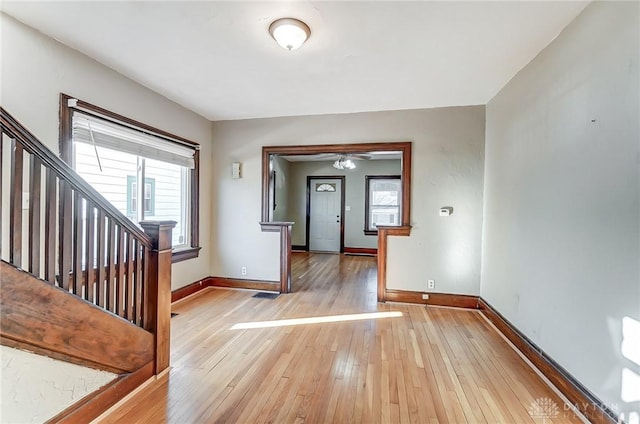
x=92 y=130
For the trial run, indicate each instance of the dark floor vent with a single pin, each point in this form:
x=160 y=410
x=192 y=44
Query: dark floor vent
x=263 y=295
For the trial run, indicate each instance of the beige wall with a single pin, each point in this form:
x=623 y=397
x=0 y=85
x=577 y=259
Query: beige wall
x=448 y=148
x=354 y=197
x=282 y=182
x=35 y=69
x=561 y=245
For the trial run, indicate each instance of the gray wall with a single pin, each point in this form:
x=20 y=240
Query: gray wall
x=354 y=197
x=561 y=230
x=282 y=182
x=36 y=68
x=448 y=151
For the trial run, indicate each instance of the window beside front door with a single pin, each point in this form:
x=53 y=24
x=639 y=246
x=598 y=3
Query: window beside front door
x=383 y=202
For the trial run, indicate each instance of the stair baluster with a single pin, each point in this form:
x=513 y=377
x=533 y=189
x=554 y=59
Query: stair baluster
x=61 y=230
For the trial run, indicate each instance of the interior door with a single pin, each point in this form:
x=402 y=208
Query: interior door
x=325 y=205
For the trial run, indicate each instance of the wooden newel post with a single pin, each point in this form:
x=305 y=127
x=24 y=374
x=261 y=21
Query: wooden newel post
x=158 y=289
x=284 y=228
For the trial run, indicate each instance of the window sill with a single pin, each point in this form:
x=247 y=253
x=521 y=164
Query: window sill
x=184 y=254
x=375 y=232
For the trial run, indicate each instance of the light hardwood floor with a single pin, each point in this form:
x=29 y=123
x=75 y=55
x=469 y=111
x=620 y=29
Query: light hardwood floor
x=430 y=365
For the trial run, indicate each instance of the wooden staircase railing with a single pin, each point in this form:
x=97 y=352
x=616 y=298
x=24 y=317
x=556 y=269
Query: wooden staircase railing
x=61 y=230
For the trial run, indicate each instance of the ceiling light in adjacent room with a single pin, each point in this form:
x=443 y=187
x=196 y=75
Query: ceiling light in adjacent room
x=344 y=163
x=289 y=33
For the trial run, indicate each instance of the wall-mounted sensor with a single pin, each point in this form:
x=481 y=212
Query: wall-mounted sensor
x=235 y=170
x=446 y=210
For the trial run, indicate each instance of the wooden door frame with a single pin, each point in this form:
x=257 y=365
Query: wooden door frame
x=383 y=232
x=404 y=147
x=342 y=202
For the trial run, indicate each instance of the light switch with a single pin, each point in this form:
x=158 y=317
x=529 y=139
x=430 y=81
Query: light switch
x=347 y=208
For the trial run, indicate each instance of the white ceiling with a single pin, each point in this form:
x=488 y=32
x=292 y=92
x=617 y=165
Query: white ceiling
x=217 y=58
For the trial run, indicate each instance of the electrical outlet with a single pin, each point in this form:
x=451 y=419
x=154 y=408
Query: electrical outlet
x=244 y=270
x=431 y=284
x=425 y=296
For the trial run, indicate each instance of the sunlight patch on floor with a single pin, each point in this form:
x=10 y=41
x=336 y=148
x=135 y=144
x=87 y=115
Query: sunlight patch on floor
x=315 y=320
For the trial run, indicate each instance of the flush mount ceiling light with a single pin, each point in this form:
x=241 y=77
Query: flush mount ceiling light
x=289 y=33
x=344 y=163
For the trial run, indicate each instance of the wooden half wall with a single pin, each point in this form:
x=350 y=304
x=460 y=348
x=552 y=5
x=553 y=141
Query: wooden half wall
x=45 y=319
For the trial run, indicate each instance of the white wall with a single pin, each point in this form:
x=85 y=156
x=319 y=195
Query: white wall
x=35 y=69
x=561 y=250
x=35 y=388
x=448 y=148
x=354 y=197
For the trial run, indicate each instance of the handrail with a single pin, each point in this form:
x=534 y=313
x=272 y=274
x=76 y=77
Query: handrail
x=64 y=238
x=83 y=244
x=14 y=129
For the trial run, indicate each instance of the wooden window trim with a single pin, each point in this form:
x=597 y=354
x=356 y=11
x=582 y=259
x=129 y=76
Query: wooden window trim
x=367 y=181
x=65 y=145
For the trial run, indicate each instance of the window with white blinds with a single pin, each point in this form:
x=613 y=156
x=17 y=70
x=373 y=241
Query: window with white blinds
x=145 y=173
x=100 y=132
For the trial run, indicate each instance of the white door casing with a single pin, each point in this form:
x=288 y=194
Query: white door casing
x=325 y=205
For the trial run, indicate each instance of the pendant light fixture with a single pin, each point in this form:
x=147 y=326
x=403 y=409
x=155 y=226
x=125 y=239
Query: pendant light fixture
x=289 y=33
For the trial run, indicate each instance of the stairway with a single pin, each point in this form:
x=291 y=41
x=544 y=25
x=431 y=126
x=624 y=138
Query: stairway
x=80 y=283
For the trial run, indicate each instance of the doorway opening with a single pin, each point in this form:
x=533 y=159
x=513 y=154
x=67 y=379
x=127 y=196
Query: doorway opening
x=346 y=160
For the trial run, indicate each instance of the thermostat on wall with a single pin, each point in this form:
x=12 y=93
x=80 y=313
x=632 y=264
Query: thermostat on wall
x=235 y=170
x=446 y=211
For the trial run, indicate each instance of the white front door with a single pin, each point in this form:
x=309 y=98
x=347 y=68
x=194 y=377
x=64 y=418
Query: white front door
x=324 y=214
